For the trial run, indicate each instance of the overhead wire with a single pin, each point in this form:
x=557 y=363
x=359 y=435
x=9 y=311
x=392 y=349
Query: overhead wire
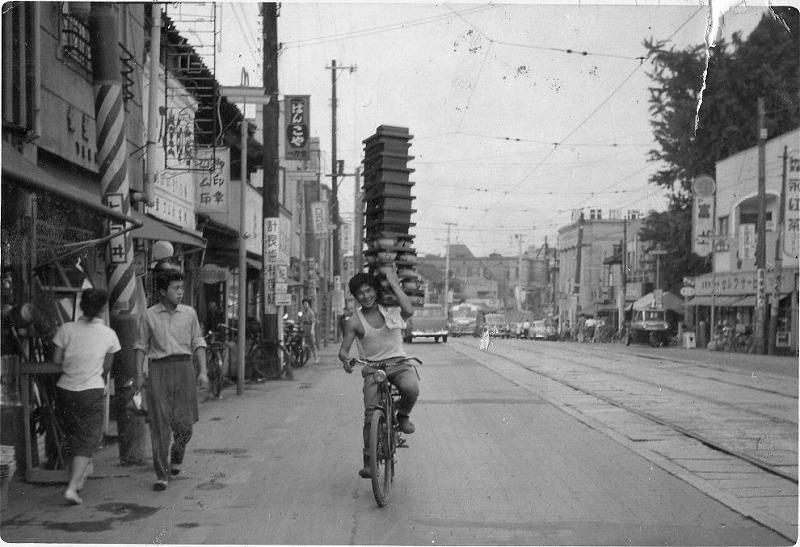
x=584 y=121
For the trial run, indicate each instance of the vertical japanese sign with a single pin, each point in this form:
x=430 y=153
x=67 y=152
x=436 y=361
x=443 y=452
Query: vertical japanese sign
x=346 y=237
x=213 y=180
x=703 y=215
x=747 y=242
x=117 y=243
x=319 y=218
x=791 y=212
x=296 y=114
x=176 y=136
x=271 y=260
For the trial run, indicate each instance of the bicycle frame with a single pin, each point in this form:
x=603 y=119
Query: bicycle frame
x=384 y=434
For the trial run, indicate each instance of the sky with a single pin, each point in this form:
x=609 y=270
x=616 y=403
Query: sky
x=521 y=113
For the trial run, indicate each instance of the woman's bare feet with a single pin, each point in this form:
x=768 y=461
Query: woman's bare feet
x=72 y=497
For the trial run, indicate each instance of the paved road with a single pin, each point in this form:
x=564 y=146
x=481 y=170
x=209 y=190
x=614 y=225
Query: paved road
x=494 y=461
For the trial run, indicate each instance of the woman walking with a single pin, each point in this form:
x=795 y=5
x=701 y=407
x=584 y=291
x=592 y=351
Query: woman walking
x=85 y=350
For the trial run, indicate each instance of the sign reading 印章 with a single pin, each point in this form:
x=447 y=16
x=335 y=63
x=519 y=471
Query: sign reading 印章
x=213 y=174
x=297 y=114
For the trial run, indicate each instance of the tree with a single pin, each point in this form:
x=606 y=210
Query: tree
x=691 y=140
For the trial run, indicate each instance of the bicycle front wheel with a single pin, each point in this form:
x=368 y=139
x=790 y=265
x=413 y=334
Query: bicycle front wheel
x=380 y=457
x=264 y=364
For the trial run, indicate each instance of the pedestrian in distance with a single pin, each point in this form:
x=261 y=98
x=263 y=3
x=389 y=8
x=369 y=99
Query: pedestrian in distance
x=169 y=336
x=85 y=350
x=378 y=332
x=308 y=323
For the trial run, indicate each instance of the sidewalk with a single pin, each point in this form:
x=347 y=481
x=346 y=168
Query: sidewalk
x=110 y=477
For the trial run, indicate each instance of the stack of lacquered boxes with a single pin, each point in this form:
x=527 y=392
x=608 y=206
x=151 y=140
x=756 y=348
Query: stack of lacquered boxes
x=387 y=222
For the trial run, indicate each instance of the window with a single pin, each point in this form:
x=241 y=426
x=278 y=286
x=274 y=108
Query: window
x=75 y=38
x=20 y=86
x=595 y=214
x=752 y=218
x=723 y=225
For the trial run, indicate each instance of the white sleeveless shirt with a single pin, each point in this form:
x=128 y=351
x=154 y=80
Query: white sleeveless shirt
x=385 y=342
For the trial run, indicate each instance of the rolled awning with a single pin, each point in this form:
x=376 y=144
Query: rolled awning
x=154 y=229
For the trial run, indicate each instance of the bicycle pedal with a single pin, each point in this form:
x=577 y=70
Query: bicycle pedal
x=402 y=443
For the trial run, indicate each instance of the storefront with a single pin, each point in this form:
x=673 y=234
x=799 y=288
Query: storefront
x=725 y=303
x=54 y=245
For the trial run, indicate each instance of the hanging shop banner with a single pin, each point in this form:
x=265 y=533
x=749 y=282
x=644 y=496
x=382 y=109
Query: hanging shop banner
x=297 y=115
x=346 y=238
x=319 y=218
x=213 y=179
x=791 y=212
x=747 y=242
x=703 y=189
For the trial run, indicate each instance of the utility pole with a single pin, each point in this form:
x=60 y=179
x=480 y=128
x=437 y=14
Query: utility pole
x=576 y=288
x=519 y=271
x=358 y=221
x=447 y=266
x=271 y=165
x=773 y=312
x=761 y=228
x=337 y=259
x=624 y=275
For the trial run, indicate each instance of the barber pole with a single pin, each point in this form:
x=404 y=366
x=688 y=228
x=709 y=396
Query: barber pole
x=112 y=161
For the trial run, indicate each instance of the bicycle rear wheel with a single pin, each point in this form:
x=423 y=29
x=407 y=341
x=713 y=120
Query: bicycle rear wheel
x=263 y=364
x=214 y=366
x=381 y=462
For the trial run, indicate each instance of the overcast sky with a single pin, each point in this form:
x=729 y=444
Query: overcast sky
x=520 y=112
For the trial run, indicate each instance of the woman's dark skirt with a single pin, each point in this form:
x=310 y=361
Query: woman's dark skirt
x=81 y=414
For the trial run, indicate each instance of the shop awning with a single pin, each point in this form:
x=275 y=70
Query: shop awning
x=17 y=167
x=727 y=301
x=254 y=263
x=719 y=301
x=745 y=302
x=156 y=230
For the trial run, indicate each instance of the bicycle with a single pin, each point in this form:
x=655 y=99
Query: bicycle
x=294 y=343
x=384 y=433
x=215 y=360
x=267 y=360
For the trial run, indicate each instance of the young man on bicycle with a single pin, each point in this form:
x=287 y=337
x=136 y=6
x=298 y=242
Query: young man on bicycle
x=378 y=334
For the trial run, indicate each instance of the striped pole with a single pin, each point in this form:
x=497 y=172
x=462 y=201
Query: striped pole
x=112 y=160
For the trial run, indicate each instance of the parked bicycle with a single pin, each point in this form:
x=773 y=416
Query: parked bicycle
x=385 y=436
x=216 y=341
x=267 y=360
x=293 y=340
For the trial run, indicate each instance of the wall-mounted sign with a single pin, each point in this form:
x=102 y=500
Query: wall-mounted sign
x=117 y=247
x=791 y=212
x=703 y=189
x=319 y=218
x=212 y=178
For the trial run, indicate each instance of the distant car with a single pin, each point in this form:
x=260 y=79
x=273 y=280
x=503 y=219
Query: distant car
x=497 y=325
x=430 y=321
x=543 y=330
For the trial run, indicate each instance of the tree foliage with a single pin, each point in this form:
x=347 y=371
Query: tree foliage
x=691 y=140
x=763 y=66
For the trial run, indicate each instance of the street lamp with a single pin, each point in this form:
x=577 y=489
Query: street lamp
x=244 y=95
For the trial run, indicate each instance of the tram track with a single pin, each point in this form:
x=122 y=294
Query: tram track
x=663 y=420
x=695 y=394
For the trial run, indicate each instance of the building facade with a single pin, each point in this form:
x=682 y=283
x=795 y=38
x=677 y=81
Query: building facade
x=726 y=300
